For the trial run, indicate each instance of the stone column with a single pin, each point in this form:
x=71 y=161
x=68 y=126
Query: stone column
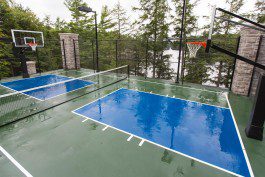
x=31 y=67
x=248 y=47
x=70 y=50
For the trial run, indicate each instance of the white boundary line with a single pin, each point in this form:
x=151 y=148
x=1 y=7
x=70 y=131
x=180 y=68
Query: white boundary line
x=49 y=85
x=23 y=170
x=97 y=100
x=92 y=83
x=36 y=88
x=177 y=152
x=239 y=137
x=15 y=91
x=204 y=90
x=179 y=99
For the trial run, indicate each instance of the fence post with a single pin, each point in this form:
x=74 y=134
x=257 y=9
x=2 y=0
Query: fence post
x=75 y=54
x=116 y=52
x=146 y=58
x=64 y=55
x=38 y=60
x=234 y=65
x=93 y=55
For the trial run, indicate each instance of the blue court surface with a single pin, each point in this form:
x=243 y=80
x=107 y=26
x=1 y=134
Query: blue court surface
x=202 y=132
x=48 y=92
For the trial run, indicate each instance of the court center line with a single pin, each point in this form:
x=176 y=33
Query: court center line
x=129 y=139
x=23 y=170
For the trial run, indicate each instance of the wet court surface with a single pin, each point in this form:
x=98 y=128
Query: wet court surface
x=58 y=143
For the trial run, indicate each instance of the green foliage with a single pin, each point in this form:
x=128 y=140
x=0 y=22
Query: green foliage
x=120 y=19
x=153 y=14
x=260 y=11
x=190 y=25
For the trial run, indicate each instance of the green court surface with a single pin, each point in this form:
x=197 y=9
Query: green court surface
x=56 y=143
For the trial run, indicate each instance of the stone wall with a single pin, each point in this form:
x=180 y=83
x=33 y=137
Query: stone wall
x=248 y=48
x=70 y=50
x=257 y=71
x=31 y=66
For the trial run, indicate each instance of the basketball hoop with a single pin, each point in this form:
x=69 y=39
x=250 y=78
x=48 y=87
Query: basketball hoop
x=33 y=46
x=194 y=47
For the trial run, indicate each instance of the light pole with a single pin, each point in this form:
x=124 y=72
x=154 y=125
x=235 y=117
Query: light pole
x=88 y=10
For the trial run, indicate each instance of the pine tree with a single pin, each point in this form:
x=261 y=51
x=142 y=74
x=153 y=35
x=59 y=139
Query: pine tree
x=190 y=25
x=81 y=23
x=106 y=23
x=120 y=19
x=152 y=24
x=260 y=11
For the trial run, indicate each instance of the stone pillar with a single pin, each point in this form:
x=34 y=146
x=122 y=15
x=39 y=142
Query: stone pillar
x=31 y=67
x=248 y=47
x=70 y=50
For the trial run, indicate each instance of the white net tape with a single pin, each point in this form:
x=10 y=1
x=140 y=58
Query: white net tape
x=193 y=49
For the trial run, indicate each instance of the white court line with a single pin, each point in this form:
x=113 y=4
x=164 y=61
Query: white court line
x=85 y=120
x=204 y=90
x=181 y=99
x=239 y=137
x=105 y=128
x=23 y=170
x=36 y=88
x=141 y=143
x=129 y=139
x=151 y=142
x=15 y=91
x=62 y=82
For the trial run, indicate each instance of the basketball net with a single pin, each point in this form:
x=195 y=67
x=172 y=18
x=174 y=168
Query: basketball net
x=194 y=47
x=33 y=46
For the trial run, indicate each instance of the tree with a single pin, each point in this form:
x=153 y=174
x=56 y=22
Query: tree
x=59 y=24
x=106 y=23
x=190 y=25
x=260 y=11
x=81 y=23
x=152 y=24
x=120 y=19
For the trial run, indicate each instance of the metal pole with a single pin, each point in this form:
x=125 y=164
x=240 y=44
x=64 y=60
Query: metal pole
x=38 y=60
x=181 y=37
x=209 y=41
x=93 y=55
x=116 y=52
x=75 y=55
x=96 y=30
x=64 y=54
x=234 y=65
x=146 y=58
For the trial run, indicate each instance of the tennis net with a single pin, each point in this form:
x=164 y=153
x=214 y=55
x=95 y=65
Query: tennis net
x=21 y=104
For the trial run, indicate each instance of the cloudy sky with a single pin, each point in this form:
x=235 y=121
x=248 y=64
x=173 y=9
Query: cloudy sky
x=56 y=8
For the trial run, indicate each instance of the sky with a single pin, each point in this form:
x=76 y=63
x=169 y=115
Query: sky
x=56 y=8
